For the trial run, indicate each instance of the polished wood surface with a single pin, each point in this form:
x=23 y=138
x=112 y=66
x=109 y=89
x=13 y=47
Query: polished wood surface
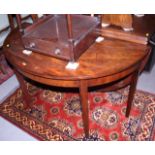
x=100 y=60
x=106 y=63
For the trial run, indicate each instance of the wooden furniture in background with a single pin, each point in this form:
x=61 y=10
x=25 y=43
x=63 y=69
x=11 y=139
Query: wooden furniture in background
x=111 y=64
x=143 y=27
x=6 y=25
x=20 y=19
x=2 y=69
x=122 y=20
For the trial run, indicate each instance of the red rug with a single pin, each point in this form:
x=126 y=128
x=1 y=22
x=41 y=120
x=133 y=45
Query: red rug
x=57 y=115
x=8 y=70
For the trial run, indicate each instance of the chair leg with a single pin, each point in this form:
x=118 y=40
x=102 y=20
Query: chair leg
x=1 y=65
x=2 y=69
x=10 y=17
x=132 y=90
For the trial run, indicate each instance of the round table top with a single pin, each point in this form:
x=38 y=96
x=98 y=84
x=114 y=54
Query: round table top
x=102 y=59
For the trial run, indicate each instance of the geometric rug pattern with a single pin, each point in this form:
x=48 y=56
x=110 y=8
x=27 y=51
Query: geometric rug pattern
x=54 y=115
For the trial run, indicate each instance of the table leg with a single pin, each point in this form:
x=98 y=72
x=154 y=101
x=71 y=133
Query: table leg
x=84 y=102
x=27 y=98
x=132 y=90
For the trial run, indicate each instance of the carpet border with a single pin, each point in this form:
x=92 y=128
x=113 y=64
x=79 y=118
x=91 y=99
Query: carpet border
x=27 y=130
x=13 y=123
x=151 y=93
x=20 y=127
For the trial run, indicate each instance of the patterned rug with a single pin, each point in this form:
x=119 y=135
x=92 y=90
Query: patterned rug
x=57 y=115
x=8 y=70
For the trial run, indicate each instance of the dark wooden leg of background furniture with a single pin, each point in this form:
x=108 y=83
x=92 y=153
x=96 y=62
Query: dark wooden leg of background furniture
x=132 y=90
x=27 y=98
x=1 y=65
x=11 y=22
x=84 y=101
x=2 y=69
